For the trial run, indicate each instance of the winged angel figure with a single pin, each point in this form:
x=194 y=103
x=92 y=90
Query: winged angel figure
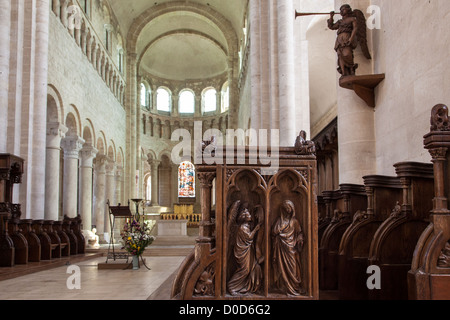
x=351 y=31
x=245 y=243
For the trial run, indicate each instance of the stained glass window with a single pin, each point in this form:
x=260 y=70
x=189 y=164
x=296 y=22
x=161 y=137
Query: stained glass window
x=186 y=180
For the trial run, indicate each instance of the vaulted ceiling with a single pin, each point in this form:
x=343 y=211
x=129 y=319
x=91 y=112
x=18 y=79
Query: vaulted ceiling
x=182 y=40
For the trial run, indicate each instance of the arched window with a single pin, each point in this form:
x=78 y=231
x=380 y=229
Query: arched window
x=143 y=94
x=209 y=100
x=148 y=190
x=163 y=100
x=225 y=99
x=186 y=180
x=186 y=103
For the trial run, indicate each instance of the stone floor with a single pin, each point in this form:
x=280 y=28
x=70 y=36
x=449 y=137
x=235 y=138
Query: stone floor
x=95 y=284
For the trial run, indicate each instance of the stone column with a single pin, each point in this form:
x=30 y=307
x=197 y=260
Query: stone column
x=55 y=132
x=132 y=125
x=109 y=192
x=174 y=183
x=99 y=194
x=154 y=164
x=357 y=148
x=119 y=182
x=255 y=62
x=38 y=109
x=71 y=146
x=5 y=31
x=286 y=72
x=87 y=154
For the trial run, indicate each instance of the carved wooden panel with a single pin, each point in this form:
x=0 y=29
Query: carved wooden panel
x=265 y=240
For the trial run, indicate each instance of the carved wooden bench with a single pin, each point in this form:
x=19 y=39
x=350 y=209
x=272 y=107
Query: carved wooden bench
x=19 y=240
x=346 y=202
x=44 y=238
x=66 y=225
x=382 y=195
x=34 y=244
x=393 y=245
x=65 y=241
x=56 y=240
x=75 y=226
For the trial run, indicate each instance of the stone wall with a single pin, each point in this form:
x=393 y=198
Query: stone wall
x=412 y=49
x=81 y=88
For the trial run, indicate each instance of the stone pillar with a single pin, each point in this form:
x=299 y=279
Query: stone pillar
x=174 y=183
x=286 y=72
x=5 y=31
x=198 y=105
x=132 y=125
x=109 y=192
x=55 y=132
x=255 y=62
x=37 y=124
x=154 y=164
x=71 y=146
x=119 y=181
x=87 y=154
x=99 y=194
x=357 y=148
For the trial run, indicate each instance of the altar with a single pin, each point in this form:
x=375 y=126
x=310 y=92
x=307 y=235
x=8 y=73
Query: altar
x=177 y=228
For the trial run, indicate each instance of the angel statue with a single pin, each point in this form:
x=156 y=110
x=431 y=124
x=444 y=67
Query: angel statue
x=351 y=31
x=244 y=242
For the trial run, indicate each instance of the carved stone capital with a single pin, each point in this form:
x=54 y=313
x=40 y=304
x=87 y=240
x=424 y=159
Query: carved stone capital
x=72 y=146
x=55 y=132
x=87 y=155
x=110 y=166
x=100 y=162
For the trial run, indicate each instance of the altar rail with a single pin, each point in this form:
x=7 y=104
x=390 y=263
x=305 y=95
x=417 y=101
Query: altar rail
x=192 y=218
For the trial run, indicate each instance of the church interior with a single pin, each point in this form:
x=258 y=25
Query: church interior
x=271 y=149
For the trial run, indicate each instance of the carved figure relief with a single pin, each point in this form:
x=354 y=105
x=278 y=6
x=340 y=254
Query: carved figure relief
x=243 y=231
x=205 y=284
x=439 y=118
x=444 y=257
x=286 y=246
x=303 y=146
x=397 y=211
x=351 y=31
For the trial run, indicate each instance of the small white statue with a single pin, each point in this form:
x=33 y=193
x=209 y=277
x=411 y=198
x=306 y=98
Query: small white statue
x=92 y=239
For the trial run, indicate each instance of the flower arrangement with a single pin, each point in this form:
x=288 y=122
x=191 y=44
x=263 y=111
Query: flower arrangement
x=136 y=237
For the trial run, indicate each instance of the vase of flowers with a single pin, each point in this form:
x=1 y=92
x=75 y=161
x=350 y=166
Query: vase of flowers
x=135 y=238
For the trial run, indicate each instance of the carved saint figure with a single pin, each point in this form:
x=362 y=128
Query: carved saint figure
x=303 y=146
x=351 y=30
x=287 y=244
x=247 y=278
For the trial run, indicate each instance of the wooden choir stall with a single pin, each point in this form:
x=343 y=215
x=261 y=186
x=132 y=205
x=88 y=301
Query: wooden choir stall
x=260 y=240
x=429 y=277
x=24 y=241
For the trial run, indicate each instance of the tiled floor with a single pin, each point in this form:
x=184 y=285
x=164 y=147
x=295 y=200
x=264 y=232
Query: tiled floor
x=95 y=284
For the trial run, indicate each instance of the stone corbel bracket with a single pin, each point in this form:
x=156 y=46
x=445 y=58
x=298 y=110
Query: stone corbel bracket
x=364 y=86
